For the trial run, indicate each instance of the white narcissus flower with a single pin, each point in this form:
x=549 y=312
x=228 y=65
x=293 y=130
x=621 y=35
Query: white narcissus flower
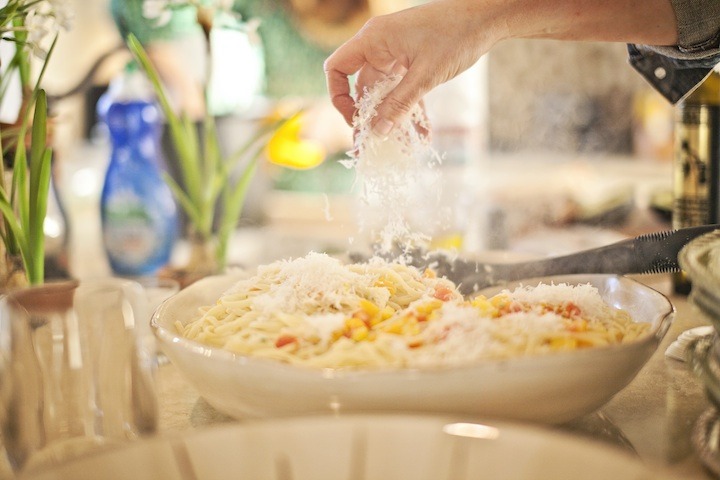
x=157 y=10
x=161 y=10
x=63 y=13
x=45 y=19
x=39 y=20
x=225 y=4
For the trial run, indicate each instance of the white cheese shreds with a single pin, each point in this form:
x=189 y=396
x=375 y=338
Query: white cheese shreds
x=397 y=174
x=324 y=325
x=319 y=312
x=460 y=333
x=584 y=294
x=315 y=281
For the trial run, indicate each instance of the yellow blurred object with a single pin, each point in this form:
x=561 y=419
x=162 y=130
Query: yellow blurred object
x=359 y=334
x=563 y=343
x=353 y=323
x=287 y=149
x=452 y=241
x=395 y=327
x=386 y=313
x=368 y=307
x=652 y=126
x=386 y=283
x=482 y=303
x=425 y=309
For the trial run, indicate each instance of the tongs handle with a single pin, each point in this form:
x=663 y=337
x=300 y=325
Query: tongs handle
x=658 y=252
x=649 y=253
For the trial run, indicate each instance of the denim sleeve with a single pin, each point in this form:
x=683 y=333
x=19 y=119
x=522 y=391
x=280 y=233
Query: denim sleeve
x=698 y=23
x=673 y=73
x=675 y=70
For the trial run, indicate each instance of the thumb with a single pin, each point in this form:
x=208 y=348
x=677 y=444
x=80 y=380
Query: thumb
x=396 y=106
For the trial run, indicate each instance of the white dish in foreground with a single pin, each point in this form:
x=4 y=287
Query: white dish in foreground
x=359 y=448
x=551 y=388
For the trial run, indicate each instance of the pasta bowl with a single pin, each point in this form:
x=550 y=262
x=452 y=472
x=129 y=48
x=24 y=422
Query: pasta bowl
x=548 y=388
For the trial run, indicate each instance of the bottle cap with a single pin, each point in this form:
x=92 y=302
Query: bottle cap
x=132 y=84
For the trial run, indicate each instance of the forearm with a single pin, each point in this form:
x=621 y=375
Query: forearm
x=650 y=22
x=435 y=41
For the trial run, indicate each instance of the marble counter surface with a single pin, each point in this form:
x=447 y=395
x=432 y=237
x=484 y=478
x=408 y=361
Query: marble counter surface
x=653 y=416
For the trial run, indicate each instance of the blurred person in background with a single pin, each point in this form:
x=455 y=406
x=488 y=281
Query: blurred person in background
x=295 y=37
x=185 y=41
x=673 y=43
x=175 y=43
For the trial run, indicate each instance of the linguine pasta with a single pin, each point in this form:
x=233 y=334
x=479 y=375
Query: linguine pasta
x=317 y=311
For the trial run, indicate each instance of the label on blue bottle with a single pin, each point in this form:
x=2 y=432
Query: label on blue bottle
x=133 y=239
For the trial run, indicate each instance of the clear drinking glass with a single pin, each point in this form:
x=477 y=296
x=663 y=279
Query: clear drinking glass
x=157 y=290
x=77 y=363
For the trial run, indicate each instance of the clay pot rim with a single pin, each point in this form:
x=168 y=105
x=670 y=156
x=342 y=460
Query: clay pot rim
x=46 y=296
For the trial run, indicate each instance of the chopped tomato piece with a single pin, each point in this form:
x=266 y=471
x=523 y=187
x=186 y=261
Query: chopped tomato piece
x=571 y=309
x=443 y=293
x=285 y=340
x=512 y=307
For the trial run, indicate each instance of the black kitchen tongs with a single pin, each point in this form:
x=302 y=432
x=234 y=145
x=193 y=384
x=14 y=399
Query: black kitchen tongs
x=650 y=253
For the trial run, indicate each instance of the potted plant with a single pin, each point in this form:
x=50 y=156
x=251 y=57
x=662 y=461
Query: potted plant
x=212 y=187
x=23 y=196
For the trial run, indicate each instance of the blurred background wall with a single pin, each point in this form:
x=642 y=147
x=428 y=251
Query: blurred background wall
x=562 y=96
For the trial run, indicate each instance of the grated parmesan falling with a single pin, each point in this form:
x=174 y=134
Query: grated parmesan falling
x=396 y=174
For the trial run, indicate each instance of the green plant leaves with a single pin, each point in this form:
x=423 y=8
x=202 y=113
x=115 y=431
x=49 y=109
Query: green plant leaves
x=207 y=176
x=24 y=208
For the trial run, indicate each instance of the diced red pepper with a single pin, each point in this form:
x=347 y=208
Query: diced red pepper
x=285 y=340
x=443 y=293
x=572 y=310
x=363 y=317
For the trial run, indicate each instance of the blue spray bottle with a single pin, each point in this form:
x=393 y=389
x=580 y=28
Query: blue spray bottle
x=139 y=215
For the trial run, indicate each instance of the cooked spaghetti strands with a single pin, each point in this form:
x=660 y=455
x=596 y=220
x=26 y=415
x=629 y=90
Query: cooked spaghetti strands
x=318 y=312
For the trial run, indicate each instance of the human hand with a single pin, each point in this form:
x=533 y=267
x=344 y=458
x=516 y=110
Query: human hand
x=434 y=42
x=427 y=45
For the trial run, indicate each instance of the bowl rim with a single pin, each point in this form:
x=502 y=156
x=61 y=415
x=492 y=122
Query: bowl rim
x=658 y=330
x=537 y=437
x=704 y=362
x=693 y=259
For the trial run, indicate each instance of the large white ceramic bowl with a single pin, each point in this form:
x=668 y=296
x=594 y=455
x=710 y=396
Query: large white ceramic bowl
x=386 y=447
x=549 y=388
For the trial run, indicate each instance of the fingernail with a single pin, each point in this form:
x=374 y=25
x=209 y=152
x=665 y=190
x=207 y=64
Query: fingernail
x=382 y=127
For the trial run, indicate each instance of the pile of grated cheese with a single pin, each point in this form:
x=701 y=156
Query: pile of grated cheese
x=322 y=312
x=585 y=295
x=315 y=282
x=397 y=174
x=460 y=333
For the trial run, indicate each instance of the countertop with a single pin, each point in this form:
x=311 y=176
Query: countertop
x=653 y=417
